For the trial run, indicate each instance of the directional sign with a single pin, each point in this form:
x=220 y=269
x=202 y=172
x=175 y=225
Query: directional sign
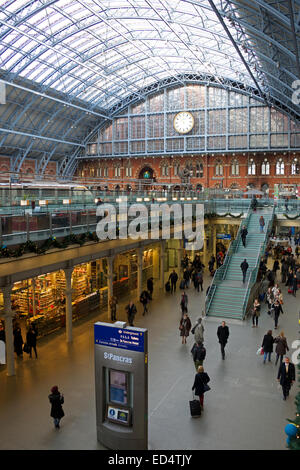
x=110 y=335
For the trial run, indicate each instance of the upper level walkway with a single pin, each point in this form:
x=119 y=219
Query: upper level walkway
x=21 y=224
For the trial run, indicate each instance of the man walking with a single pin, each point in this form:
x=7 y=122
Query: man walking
x=131 y=312
x=223 y=334
x=198 y=331
x=150 y=286
x=286 y=376
x=244 y=267
x=173 y=278
x=244 y=234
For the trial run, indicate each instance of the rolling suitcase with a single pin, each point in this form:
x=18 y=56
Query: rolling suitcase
x=195 y=408
x=167 y=287
x=182 y=284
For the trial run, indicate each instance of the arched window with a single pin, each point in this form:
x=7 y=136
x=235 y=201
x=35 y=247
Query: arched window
x=219 y=168
x=265 y=167
x=280 y=167
x=235 y=169
x=251 y=167
x=164 y=170
x=199 y=170
x=295 y=167
x=176 y=169
x=189 y=169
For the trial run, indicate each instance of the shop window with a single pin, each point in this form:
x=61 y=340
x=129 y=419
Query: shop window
x=280 y=167
x=265 y=167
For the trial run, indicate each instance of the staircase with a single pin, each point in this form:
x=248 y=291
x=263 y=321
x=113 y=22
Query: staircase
x=228 y=296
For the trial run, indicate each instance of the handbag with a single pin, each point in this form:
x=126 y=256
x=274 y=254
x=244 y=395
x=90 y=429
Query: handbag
x=206 y=388
x=26 y=348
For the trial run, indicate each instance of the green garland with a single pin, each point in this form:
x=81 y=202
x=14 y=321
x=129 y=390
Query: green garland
x=291 y=218
x=212 y=215
x=32 y=247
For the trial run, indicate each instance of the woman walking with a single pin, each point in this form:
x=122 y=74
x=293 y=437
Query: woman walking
x=18 y=340
x=56 y=399
x=267 y=345
x=184 y=303
x=200 y=384
x=281 y=347
x=256 y=313
x=184 y=327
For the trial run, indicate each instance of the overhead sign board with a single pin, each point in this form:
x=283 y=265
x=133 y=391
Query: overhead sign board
x=112 y=336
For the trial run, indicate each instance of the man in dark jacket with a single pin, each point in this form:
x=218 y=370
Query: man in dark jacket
x=244 y=267
x=31 y=340
x=286 y=376
x=56 y=399
x=173 y=278
x=199 y=353
x=277 y=309
x=244 y=234
x=223 y=334
x=150 y=286
x=144 y=299
x=131 y=312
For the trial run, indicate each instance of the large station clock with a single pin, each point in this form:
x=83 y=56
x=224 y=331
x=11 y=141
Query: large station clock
x=183 y=122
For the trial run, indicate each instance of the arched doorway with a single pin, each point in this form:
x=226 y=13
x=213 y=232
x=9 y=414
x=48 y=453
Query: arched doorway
x=145 y=175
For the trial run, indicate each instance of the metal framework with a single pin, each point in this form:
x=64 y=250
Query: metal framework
x=95 y=57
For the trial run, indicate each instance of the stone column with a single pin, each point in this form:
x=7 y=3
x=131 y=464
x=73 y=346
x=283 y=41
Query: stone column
x=214 y=238
x=110 y=268
x=179 y=257
x=139 y=253
x=68 y=292
x=33 y=298
x=9 y=337
x=162 y=264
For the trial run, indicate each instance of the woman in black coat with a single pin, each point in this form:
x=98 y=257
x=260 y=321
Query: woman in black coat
x=201 y=379
x=267 y=345
x=56 y=399
x=18 y=341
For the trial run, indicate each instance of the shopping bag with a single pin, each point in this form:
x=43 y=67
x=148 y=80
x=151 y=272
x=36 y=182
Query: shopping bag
x=260 y=351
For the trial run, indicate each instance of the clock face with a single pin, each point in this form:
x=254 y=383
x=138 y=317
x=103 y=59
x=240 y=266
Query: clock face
x=183 y=122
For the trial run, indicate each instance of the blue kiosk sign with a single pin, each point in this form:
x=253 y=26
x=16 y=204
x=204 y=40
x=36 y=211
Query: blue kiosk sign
x=123 y=338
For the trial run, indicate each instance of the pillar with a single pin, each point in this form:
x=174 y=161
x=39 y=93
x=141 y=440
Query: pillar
x=110 y=269
x=162 y=265
x=9 y=337
x=33 y=298
x=139 y=253
x=214 y=238
x=68 y=292
x=179 y=256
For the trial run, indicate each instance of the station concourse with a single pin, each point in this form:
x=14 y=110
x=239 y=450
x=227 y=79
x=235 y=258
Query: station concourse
x=244 y=392
x=159 y=108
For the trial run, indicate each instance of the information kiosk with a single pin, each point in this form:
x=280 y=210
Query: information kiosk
x=121 y=380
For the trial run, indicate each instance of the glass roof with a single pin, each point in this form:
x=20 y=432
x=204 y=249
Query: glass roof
x=101 y=51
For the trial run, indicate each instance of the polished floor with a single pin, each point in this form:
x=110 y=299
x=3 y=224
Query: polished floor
x=243 y=410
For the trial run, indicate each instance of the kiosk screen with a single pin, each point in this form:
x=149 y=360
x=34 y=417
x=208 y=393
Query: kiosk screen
x=118 y=387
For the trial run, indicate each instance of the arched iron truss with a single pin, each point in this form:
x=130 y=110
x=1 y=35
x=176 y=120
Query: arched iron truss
x=94 y=57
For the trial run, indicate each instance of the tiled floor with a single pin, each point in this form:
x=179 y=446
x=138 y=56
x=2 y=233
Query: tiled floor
x=243 y=410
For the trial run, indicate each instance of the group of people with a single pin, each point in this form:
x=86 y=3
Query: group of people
x=131 y=309
x=19 y=345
